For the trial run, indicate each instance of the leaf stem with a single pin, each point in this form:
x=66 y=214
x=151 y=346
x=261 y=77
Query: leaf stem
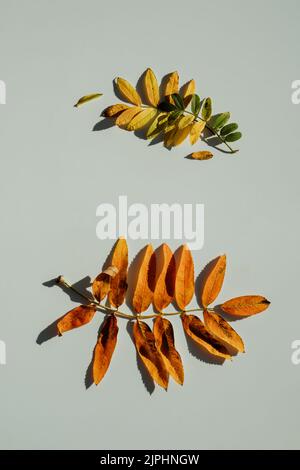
x=61 y=280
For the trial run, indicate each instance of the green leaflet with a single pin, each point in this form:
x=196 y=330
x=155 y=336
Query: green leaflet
x=233 y=137
x=219 y=120
x=87 y=98
x=166 y=106
x=229 y=128
x=178 y=101
x=195 y=104
x=206 y=109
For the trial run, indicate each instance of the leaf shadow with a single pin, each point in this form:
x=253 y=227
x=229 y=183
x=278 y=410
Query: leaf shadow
x=51 y=330
x=105 y=123
x=146 y=379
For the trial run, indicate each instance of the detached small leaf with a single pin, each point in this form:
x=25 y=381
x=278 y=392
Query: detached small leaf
x=220 y=328
x=104 y=348
x=128 y=91
x=245 y=305
x=75 y=318
x=149 y=354
x=202 y=155
x=206 y=109
x=214 y=281
x=164 y=338
x=196 y=330
x=87 y=98
x=233 y=137
x=184 y=281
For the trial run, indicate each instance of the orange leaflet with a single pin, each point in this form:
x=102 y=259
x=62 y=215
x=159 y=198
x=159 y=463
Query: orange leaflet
x=143 y=294
x=164 y=265
x=245 y=305
x=214 y=281
x=75 y=318
x=220 y=329
x=118 y=284
x=184 y=281
x=164 y=338
x=101 y=284
x=104 y=348
x=151 y=357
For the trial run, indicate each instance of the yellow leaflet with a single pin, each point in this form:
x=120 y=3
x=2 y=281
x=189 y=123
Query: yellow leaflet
x=185 y=121
x=157 y=125
x=188 y=91
x=172 y=85
x=181 y=135
x=151 y=88
x=196 y=130
x=142 y=119
x=86 y=99
x=127 y=90
x=126 y=116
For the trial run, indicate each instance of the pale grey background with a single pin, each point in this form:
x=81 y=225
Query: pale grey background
x=55 y=171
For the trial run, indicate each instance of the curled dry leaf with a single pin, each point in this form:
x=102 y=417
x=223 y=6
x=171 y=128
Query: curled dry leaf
x=151 y=88
x=165 y=266
x=196 y=330
x=164 y=338
x=128 y=91
x=195 y=133
x=126 y=116
x=142 y=119
x=104 y=348
x=143 y=295
x=202 y=155
x=214 y=281
x=245 y=305
x=101 y=284
x=75 y=318
x=87 y=99
x=220 y=329
x=118 y=283
x=184 y=281
x=149 y=354
x=114 y=110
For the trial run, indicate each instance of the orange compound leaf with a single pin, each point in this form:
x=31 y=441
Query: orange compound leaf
x=114 y=110
x=75 y=318
x=184 y=280
x=143 y=293
x=220 y=329
x=164 y=339
x=104 y=348
x=162 y=296
x=149 y=354
x=245 y=305
x=118 y=283
x=196 y=330
x=101 y=284
x=214 y=281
